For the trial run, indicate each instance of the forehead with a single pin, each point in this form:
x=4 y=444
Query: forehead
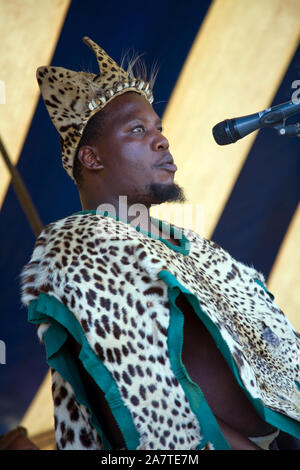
x=130 y=106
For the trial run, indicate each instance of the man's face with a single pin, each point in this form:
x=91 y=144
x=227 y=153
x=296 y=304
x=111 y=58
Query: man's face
x=135 y=154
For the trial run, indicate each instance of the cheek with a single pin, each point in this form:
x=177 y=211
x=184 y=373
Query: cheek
x=134 y=159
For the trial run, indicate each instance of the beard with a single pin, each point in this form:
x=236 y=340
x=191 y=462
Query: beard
x=161 y=193
x=158 y=193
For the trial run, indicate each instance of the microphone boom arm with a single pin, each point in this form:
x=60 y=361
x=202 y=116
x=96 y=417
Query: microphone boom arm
x=277 y=119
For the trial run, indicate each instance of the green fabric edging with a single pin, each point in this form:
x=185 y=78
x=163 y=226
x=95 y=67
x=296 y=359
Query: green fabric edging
x=279 y=420
x=48 y=309
x=264 y=287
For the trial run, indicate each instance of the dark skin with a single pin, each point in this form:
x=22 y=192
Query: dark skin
x=131 y=146
x=124 y=161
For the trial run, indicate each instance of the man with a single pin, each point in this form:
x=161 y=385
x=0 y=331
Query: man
x=156 y=337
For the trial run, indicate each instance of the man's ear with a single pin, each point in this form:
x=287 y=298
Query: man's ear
x=90 y=158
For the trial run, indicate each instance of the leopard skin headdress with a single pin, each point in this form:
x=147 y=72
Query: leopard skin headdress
x=72 y=98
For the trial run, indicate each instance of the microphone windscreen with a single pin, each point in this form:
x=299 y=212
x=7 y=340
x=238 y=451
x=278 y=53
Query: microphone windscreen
x=220 y=135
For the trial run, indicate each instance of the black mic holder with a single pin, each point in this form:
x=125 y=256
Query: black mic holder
x=274 y=119
x=291 y=130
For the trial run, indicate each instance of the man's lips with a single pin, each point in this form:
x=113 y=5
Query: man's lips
x=167 y=163
x=168 y=167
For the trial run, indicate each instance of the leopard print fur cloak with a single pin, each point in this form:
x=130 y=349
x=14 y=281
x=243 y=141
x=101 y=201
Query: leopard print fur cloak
x=107 y=274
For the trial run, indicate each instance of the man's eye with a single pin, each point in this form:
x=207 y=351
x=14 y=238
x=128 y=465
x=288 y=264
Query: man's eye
x=138 y=129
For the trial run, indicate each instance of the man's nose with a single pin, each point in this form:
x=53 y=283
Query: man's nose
x=161 y=143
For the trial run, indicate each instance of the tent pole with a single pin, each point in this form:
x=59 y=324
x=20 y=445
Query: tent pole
x=22 y=193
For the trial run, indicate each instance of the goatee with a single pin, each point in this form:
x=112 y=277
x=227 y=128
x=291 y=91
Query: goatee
x=159 y=193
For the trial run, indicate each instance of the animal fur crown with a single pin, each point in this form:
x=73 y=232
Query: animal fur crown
x=72 y=98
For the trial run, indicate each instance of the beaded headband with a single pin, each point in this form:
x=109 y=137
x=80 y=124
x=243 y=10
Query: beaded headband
x=72 y=98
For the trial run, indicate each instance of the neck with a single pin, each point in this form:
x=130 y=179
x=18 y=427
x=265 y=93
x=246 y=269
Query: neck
x=135 y=213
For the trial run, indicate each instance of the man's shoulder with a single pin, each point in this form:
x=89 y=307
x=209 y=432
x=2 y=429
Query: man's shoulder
x=219 y=256
x=58 y=246
x=69 y=221
x=82 y=231
x=77 y=223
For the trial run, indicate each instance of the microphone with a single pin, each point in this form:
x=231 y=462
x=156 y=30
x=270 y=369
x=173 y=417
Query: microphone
x=231 y=130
